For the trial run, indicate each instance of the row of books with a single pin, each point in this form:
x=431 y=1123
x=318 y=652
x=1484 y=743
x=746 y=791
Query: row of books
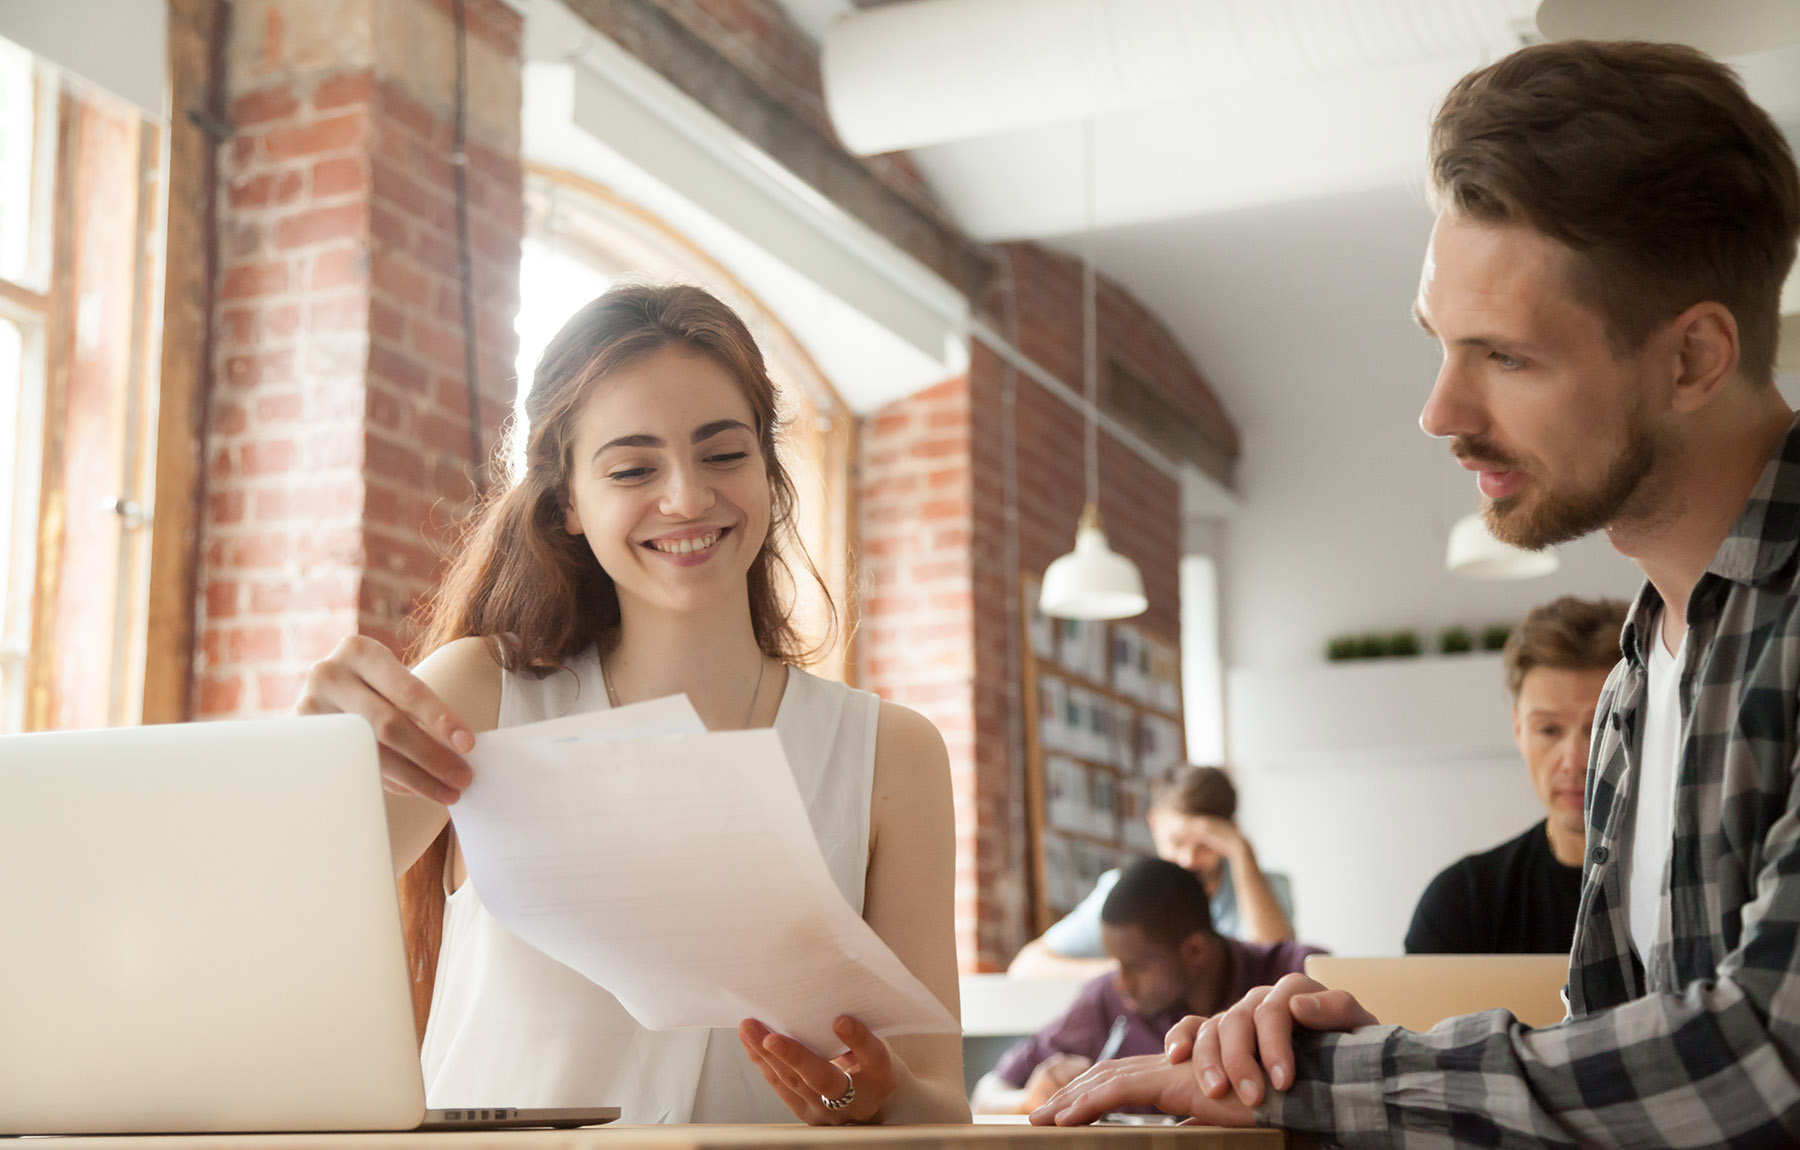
x=1083 y=800
x=1076 y=720
x=1071 y=867
x=1118 y=655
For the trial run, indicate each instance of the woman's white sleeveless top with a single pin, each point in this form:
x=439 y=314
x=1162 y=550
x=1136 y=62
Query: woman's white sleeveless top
x=510 y=1026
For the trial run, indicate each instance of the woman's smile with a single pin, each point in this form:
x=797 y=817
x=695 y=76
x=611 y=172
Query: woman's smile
x=687 y=550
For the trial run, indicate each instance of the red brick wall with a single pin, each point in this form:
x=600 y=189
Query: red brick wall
x=941 y=621
x=337 y=441
x=1140 y=507
x=918 y=613
x=417 y=411
x=1046 y=291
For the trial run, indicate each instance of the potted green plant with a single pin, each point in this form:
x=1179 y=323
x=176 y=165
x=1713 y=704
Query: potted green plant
x=1403 y=644
x=1455 y=641
x=1494 y=638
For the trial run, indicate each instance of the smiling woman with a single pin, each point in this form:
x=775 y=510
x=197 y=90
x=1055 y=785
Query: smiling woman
x=645 y=551
x=582 y=238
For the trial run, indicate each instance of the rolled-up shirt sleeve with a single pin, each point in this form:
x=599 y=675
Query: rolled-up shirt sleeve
x=1712 y=1065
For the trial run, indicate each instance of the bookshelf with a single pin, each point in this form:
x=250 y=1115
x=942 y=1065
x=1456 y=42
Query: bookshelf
x=1104 y=707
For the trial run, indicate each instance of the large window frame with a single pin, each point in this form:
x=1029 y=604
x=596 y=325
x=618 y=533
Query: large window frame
x=29 y=129
x=82 y=205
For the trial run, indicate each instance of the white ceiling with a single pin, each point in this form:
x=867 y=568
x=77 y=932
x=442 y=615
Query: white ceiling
x=876 y=324
x=1275 y=228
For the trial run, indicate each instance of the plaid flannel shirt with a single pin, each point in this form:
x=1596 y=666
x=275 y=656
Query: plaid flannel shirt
x=1700 y=1046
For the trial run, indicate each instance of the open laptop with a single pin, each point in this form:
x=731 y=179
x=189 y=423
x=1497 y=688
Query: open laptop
x=199 y=933
x=1418 y=991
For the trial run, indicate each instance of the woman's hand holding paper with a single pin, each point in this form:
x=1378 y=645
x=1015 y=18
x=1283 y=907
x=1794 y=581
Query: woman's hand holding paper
x=422 y=738
x=864 y=1077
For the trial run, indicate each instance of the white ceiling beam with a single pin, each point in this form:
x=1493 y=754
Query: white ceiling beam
x=931 y=71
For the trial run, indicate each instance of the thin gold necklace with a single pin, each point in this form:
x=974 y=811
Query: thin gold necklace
x=762 y=664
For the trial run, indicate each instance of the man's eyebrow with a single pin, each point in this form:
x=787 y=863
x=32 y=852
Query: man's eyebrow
x=707 y=430
x=1484 y=341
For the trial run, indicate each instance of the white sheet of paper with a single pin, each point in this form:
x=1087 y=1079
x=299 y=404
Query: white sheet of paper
x=679 y=871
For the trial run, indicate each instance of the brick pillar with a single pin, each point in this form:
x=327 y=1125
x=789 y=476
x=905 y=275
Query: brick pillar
x=915 y=644
x=337 y=445
x=945 y=539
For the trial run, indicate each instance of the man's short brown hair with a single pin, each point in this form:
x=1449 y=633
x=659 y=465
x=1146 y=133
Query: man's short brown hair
x=1195 y=792
x=1650 y=162
x=1568 y=634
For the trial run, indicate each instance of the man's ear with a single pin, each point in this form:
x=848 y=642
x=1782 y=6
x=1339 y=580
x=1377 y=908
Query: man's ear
x=1705 y=345
x=1195 y=949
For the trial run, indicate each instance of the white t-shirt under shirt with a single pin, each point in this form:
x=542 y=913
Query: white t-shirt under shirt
x=1653 y=834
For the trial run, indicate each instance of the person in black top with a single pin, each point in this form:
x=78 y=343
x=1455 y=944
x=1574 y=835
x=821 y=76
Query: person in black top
x=1521 y=896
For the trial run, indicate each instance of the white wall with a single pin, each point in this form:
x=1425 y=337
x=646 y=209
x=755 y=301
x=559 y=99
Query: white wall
x=1361 y=780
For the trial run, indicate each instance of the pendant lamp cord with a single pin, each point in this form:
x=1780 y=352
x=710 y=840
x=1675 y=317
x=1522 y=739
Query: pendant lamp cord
x=1090 y=324
x=459 y=171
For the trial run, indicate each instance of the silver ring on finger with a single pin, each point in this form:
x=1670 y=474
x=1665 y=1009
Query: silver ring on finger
x=844 y=1099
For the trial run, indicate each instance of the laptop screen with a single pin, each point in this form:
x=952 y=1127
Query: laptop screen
x=203 y=932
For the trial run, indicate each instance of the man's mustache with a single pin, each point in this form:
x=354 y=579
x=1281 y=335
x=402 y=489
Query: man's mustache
x=1472 y=450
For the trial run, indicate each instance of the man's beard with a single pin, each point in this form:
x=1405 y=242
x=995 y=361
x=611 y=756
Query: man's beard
x=1536 y=520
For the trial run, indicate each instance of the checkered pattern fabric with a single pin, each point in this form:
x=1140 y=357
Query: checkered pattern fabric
x=1700 y=1045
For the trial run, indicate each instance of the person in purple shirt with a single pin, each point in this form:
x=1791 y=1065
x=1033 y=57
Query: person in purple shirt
x=1172 y=963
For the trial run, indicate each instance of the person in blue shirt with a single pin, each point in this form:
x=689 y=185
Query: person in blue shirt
x=1191 y=821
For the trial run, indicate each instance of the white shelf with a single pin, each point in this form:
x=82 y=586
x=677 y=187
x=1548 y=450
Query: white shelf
x=1429 y=709
x=998 y=1004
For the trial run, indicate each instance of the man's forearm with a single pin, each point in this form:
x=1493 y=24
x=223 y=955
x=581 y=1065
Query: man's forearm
x=1259 y=911
x=1486 y=1078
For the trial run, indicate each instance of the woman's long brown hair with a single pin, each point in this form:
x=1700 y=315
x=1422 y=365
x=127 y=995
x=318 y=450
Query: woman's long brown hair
x=534 y=592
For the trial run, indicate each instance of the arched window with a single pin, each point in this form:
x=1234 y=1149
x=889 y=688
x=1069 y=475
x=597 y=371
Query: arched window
x=580 y=237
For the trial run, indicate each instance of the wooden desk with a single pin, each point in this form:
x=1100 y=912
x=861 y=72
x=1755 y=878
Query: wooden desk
x=978 y=1137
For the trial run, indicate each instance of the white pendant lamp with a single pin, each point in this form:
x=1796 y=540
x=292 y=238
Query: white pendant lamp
x=1093 y=581
x=1474 y=553
x=1716 y=27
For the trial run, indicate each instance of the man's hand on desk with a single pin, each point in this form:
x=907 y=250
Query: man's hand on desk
x=1147 y=1080
x=1213 y=1068
x=1051 y=1075
x=1230 y=1052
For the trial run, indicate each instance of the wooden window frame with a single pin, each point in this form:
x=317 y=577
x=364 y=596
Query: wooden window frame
x=197 y=30
x=32 y=310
